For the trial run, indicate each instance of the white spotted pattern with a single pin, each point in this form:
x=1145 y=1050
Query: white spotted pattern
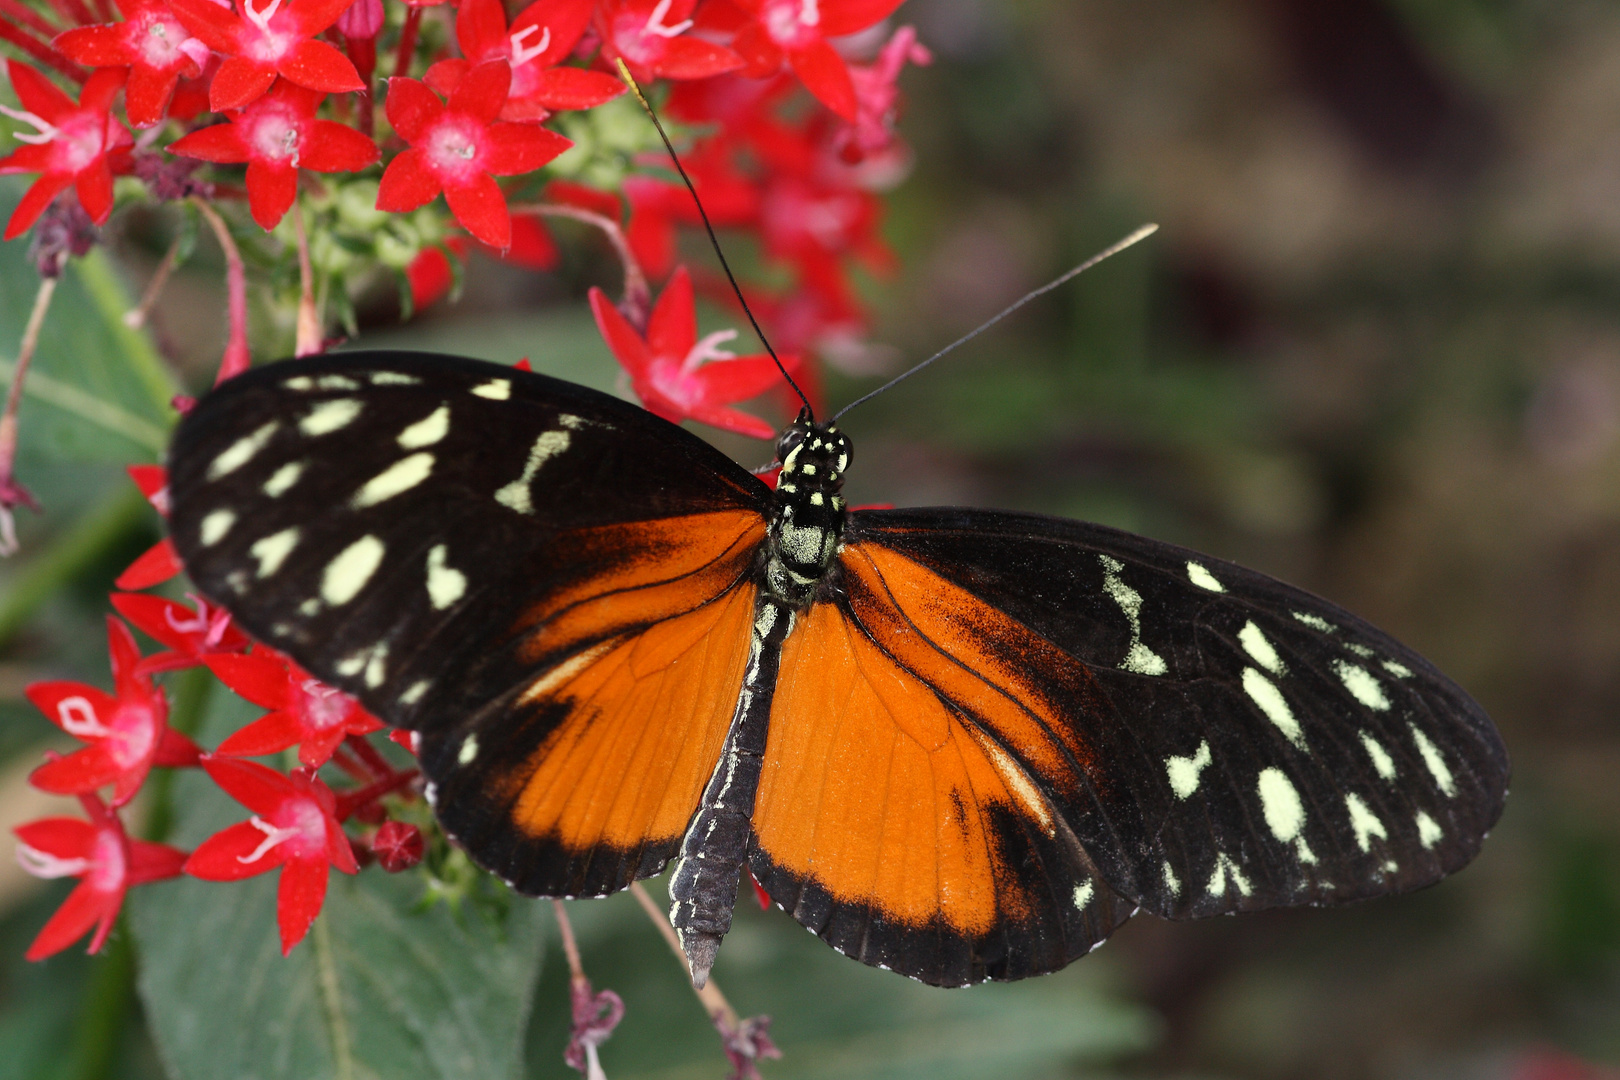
x=393 y=378
x=414 y=693
x=1255 y=644
x=516 y=494
x=1361 y=684
x=1380 y=757
x=240 y=452
x=495 y=389
x=428 y=431
x=1139 y=659
x=283 y=479
x=1399 y=670
x=1227 y=875
x=1199 y=575
x=1315 y=622
x=445 y=584
x=398 y=478
x=347 y=574
x=1437 y=764
x=330 y=416
x=468 y=751
x=1264 y=693
x=1083 y=894
x=1171 y=883
x=1284 y=811
x=1184 y=771
x=273 y=550
x=1429 y=833
x=1364 y=823
x=215 y=526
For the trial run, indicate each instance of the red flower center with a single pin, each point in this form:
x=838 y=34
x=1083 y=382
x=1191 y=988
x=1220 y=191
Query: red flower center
x=108 y=865
x=322 y=707
x=792 y=24
x=134 y=733
x=453 y=149
x=79 y=141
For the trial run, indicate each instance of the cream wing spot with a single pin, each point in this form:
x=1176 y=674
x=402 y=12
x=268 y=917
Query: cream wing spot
x=1227 y=875
x=1364 y=823
x=516 y=495
x=1172 y=883
x=414 y=692
x=1259 y=648
x=393 y=378
x=336 y=382
x=1315 y=622
x=1429 y=833
x=1199 y=575
x=468 y=751
x=1083 y=894
x=1264 y=693
x=347 y=574
x=445 y=584
x=214 y=526
x=282 y=480
x=330 y=416
x=494 y=390
x=427 y=431
x=397 y=479
x=1361 y=684
x=1436 y=764
x=240 y=452
x=1185 y=772
x=1284 y=813
x=1380 y=757
x=273 y=550
x=1399 y=670
x=1139 y=659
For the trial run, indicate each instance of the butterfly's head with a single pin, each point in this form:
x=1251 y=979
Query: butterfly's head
x=814 y=455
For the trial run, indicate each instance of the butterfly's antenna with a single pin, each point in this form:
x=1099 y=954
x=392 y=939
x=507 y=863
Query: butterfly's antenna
x=629 y=80
x=1140 y=234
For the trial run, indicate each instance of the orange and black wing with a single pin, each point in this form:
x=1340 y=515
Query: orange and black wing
x=998 y=734
x=551 y=585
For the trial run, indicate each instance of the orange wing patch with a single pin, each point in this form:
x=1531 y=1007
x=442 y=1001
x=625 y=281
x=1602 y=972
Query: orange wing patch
x=899 y=789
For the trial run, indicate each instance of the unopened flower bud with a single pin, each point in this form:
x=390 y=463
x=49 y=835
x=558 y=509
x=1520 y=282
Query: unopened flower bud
x=362 y=20
x=398 y=846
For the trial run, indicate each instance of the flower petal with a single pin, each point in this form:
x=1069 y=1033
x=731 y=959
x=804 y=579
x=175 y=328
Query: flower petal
x=576 y=88
x=532 y=247
x=411 y=107
x=78 y=913
x=840 y=17
x=825 y=75
x=148 y=94
x=733 y=420
x=483 y=92
x=38 y=94
x=153 y=862
x=672 y=329
x=690 y=58
x=481 y=209
x=627 y=345
x=34 y=201
x=407 y=183
x=313 y=16
x=92 y=705
x=316 y=748
x=271 y=191
x=299 y=898
x=214 y=24
x=336 y=147
x=269 y=734
x=82 y=771
x=259 y=789
x=158 y=564
x=101 y=88
x=220 y=857
x=63 y=837
x=338 y=848
x=220 y=142
x=725 y=381
x=175 y=751
x=481 y=29
x=444 y=76
x=95 y=46
x=260 y=677
x=320 y=66
x=238 y=82
x=511 y=149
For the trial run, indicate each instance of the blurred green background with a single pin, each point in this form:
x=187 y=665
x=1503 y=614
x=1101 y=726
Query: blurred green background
x=1375 y=351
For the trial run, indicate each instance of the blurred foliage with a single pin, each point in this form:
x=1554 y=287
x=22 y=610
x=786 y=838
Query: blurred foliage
x=1374 y=351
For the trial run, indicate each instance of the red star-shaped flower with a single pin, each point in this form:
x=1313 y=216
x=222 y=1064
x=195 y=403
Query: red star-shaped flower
x=127 y=734
x=294 y=826
x=309 y=713
x=650 y=36
x=151 y=43
x=677 y=376
x=277 y=135
x=542 y=36
x=269 y=40
x=796 y=31
x=191 y=635
x=656 y=206
x=98 y=852
x=459 y=148
x=160 y=562
x=71 y=143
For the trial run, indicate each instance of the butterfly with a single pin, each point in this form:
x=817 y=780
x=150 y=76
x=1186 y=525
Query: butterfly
x=960 y=744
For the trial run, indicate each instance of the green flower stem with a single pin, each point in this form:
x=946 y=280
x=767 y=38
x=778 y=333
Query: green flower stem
x=68 y=557
x=104 y=1013
x=111 y=299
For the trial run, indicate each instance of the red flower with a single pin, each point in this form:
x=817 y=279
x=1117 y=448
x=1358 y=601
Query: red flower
x=431 y=274
x=190 y=635
x=542 y=36
x=650 y=36
x=459 y=148
x=877 y=97
x=160 y=562
x=398 y=846
x=97 y=851
x=72 y=144
x=128 y=734
x=797 y=31
x=676 y=375
x=294 y=826
x=152 y=43
x=306 y=712
x=277 y=135
x=272 y=40
x=656 y=206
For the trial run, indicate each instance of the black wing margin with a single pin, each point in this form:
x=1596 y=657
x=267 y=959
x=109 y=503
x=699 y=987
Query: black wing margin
x=1251 y=745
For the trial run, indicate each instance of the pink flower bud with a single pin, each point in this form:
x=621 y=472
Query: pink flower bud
x=398 y=846
x=362 y=20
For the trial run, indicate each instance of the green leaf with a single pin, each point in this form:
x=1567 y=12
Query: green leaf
x=377 y=990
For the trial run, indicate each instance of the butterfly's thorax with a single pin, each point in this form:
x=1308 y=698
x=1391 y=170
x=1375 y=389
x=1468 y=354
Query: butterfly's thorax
x=808 y=519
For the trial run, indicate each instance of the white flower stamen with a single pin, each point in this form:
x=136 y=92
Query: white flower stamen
x=521 y=53
x=78 y=718
x=44 y=130
x=655 y=25
x=709 y=349
x=809 y=13
x=272 y=837
x=42 y=864
x=261 y=18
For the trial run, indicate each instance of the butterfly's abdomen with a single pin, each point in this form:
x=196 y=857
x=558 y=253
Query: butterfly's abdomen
x=808 y=524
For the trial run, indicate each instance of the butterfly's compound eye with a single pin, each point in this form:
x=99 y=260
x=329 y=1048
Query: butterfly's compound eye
x=786 y=441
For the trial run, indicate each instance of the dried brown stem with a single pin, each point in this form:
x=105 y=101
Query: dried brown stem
x=714 y=1002
x=565 y=929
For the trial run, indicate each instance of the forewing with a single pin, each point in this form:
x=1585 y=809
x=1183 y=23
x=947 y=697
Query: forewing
x=487 y=556
x=1217 y=740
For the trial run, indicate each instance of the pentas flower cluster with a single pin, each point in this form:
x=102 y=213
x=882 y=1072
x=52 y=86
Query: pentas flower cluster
x=297 y=821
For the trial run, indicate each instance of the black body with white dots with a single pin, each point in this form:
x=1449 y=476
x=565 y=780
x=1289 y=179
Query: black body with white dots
x=962 y=744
